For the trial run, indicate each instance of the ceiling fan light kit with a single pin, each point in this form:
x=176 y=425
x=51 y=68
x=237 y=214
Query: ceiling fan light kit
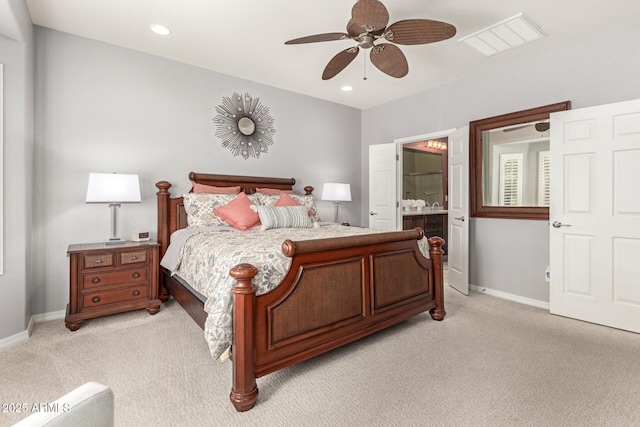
x=368 y=24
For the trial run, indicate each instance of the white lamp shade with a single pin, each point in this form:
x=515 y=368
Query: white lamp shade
x=336 y=192
x=113 y=188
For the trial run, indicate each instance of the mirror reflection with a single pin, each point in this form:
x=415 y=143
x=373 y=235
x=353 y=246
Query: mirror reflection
x=509 y=164
x=515 y=169
x=424 y=174
x=246 y=126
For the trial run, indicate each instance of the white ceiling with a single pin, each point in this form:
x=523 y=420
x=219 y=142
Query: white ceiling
x=245 y=38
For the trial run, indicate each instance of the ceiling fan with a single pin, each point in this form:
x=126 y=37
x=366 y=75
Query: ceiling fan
x=368 y=24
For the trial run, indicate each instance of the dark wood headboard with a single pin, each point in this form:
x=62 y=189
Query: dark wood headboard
x=171 y=213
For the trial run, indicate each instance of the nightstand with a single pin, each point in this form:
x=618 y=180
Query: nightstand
x=107 y=280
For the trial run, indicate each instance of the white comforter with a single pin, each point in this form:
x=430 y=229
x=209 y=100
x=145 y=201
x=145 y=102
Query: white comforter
x=203 y=256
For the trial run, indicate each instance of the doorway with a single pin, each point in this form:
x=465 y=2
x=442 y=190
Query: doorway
x=424 y=189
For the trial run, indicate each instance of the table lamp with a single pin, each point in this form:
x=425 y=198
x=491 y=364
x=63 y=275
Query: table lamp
x=114 y=189
x=336 y=193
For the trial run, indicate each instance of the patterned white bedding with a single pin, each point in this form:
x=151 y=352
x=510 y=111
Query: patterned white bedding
x=203 y=257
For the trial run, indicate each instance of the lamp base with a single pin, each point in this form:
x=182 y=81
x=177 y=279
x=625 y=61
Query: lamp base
x=116 y=241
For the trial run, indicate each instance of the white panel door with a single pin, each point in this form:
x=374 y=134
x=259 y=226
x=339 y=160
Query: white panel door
x=595 y=214
x=382 y=186
x=458 y=218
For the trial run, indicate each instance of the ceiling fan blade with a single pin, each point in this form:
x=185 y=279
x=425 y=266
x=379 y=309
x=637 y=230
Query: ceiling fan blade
x=390 y=60
x=369 y=15
x=339 y=62
x=419 y=31
x=319 y=38
x=542 y=126
x=353 y=28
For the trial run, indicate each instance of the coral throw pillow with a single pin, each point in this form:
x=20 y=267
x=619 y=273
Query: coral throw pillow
x=272 y=191
x=238 y=214
x=286 y=200
x=210 y=189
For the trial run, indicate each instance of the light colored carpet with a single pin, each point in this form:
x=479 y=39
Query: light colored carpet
x=491 y=362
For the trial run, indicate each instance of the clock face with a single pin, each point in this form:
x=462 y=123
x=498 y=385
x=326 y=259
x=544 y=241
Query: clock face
x=244 y=125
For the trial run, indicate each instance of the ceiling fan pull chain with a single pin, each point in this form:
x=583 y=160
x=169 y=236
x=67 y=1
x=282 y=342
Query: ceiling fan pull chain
x=365 y=68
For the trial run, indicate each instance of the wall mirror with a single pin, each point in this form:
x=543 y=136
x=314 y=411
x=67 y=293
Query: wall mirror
x=509 y=164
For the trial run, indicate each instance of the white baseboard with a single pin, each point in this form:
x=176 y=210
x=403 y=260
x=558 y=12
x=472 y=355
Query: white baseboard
x=45 y=317
x=511 y=297
x=14 y=340
x=23 y=336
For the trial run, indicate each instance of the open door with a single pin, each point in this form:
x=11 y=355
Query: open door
x=382 y=186
x=595 y=214
x=458 y=235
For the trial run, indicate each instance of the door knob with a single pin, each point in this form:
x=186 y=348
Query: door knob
x=460 y=218
x=373 y=213
x=558 y=224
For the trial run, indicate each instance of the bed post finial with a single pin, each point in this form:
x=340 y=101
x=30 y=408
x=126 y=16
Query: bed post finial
x=435 y=253
x=244 y=391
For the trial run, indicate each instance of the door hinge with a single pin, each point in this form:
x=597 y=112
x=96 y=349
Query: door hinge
x=397 y=204
x=397 y=157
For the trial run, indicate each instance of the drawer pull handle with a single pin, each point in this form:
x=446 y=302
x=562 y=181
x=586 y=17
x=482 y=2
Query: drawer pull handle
x=95 y=280
x=98 y=261
x=136 y=275
x=95 y=299
x=134 y=258
x=136 y=293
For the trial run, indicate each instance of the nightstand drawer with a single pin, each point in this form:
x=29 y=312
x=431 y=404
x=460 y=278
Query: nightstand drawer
x=114 y=277
x=97 y=260
x=99 y=299
x=133 y=257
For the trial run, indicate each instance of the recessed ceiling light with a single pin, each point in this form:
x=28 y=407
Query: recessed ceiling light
x=347 y=88
x=160 y=29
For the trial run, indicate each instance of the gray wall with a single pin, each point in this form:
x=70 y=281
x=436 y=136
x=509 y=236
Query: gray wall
x=101 y=108
x=511 y=255
x=16 y=54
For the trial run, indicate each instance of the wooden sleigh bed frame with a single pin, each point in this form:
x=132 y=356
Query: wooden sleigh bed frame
x=378 y=280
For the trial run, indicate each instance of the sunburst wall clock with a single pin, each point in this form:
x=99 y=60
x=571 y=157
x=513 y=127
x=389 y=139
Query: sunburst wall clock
x=244 y=125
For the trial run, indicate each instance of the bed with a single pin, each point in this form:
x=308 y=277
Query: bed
x=353 y=285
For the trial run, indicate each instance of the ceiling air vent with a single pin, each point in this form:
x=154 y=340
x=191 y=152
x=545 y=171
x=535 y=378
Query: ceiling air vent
x=505 y=35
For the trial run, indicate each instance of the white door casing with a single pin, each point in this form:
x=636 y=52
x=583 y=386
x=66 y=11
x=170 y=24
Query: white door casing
x=595 y=214
x=382 y=186
x=458 y=217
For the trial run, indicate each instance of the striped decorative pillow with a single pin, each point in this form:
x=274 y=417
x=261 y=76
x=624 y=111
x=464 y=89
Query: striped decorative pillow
x=283 y=217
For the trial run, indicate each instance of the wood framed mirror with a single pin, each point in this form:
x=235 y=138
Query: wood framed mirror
x=509 y=164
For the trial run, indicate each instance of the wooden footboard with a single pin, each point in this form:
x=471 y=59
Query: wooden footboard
x=337 y=291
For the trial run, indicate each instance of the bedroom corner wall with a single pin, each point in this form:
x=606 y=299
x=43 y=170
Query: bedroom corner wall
x=102 y=108
x=510 y=256
x=16 y=53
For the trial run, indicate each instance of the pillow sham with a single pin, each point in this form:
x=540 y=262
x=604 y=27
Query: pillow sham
x=272 y=191
x=210 y=189
x=200 y=206
x=283 y=217
x=238 y=213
